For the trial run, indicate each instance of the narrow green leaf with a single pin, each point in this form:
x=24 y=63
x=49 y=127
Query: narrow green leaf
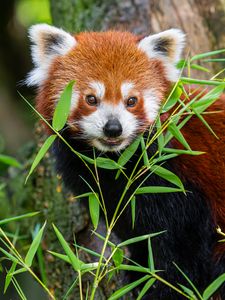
x=157 y=190
x=208 y=99
x=133 y=268
x=178 y=135
x=63 y=107
x=133 y=207
x=200 y=68
x=16 y=218
x=83 y=195
x=139 y=238
x=213 y=287
x=173 y=99
x=19 y=271
x=94 y=209
x=118 y=257
x=34 y=246
x=127 y=154
x=47 y=144
x=9 y=276
x=150 y=257
x=146 y=287
x=60 y=256
x=181 y=151
x=88 y=250
x=214 y=60
x=187 y=290
x=127 y=288
x=76 y=263
x=8 y=160
x=168 y=175
x=107 y=163
x=206 y=54
x=10 y=256
x=199 y=81
x=145 y=154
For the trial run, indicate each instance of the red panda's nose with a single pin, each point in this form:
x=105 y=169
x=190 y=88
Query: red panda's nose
x=113 y=128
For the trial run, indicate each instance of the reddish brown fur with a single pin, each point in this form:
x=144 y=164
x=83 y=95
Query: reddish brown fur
x=110 y=57
x=207 y=170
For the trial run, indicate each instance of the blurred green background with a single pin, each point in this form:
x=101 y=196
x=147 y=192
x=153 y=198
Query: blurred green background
x=16 y=120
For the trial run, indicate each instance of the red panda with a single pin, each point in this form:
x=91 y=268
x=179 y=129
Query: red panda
x=121 y=81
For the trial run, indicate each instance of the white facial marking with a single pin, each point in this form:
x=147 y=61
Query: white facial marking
x=126 y=87
x=151 y=104
x=44 y=50
x=92 y=125
x=99 y=88
x=74 y=100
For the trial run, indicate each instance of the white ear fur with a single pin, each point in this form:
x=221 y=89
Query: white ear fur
x=48 y=43
x=166 y=46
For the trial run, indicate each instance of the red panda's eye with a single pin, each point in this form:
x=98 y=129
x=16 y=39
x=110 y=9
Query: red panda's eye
x=91 y=100
x=131 y=102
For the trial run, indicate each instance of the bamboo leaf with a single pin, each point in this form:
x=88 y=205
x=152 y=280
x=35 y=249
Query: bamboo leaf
x=63 y=107
x=94 y=209
x=9 y=275
x=178 y=135
x=133 y=207
x=172 y=100
x=168 y=175
x=34 y=246
x=41 y=153
x=118 y=257
x=16 y=218
x=181 y=151
x=199 y=81
x=139 y=238
x=146 y=287
x=127 y=154
x=206 y=54
x=76 y=263
x=157 y=189
x=213 y=287
x=127 y=288
x=8 y=160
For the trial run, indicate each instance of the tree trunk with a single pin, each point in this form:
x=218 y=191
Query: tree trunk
x=199 y=19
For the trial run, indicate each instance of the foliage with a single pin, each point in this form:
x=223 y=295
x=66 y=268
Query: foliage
x=181 y=111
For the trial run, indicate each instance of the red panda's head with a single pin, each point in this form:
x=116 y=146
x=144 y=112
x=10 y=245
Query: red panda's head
x=120 y=78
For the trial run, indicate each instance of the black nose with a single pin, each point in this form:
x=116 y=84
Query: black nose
x=113 y=128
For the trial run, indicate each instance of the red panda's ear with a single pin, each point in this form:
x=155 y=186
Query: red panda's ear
x=48 y=42
x=166 y=46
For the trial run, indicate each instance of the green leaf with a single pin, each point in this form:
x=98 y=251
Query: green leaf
x=206 y=54
x=60 y=256
x=157 y=190
x=107 y=163
x=139 y=238
x=173 y=99
x=199 y=81
x=94 y=209
x=127 y=288
x=9 y=276
x=34 y=246
x=83 y=195
x=187 y=290
x=168 y=175
x=118 y=257
x=8 y=160
x=16 y=218
x=178 y=135
x=133 y=268
x=146 y=287
x=200 y=68
x=145 y=154
x=47 y=144
x=150 y=257
x=181 y=151
x=76 y=263
x=208 y=99
x=63 y=107
x=10 y=256
x=127 y=154
x=213 y=287
x=133 y=206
